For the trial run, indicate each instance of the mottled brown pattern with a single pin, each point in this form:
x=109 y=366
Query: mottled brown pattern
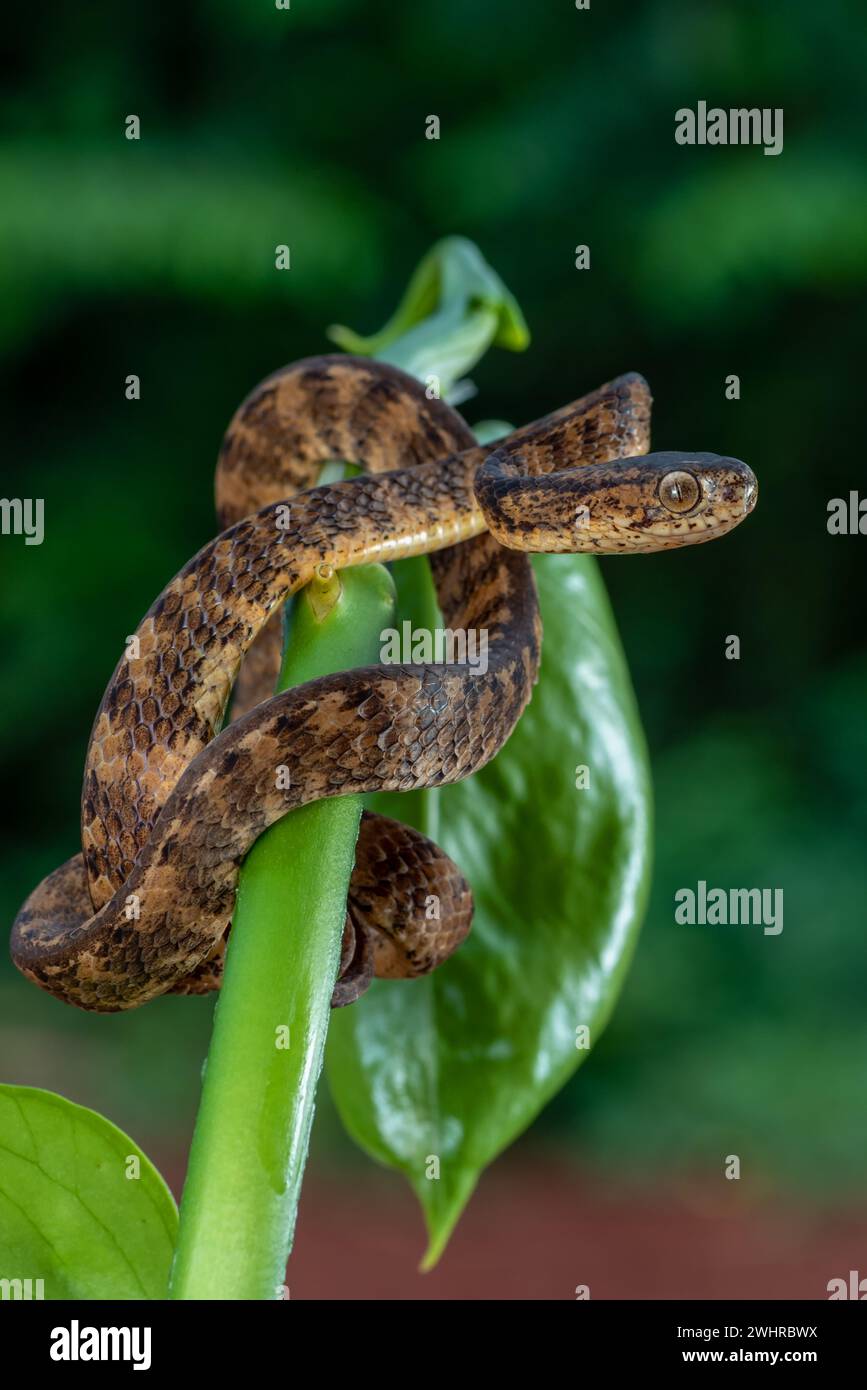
x=170 y=806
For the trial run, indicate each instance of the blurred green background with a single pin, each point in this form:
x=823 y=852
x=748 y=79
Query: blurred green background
x=306 y=127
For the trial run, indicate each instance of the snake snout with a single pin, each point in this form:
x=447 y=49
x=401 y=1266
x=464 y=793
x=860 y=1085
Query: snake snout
x=751 y=491
x=739 y=486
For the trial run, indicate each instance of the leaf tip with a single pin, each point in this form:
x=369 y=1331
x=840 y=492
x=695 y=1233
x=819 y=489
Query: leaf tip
x=437 y=1242
x=347 y=339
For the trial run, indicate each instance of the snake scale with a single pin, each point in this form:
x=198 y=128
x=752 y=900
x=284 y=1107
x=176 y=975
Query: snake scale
x=171 y=802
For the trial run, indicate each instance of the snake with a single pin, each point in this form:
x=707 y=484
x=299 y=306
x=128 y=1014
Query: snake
x=175 y=792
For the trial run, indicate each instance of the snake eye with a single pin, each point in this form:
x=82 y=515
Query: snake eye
x=679 y=491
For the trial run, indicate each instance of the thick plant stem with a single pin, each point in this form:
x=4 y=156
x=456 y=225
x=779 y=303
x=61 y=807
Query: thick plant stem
x=417 y=604
x=253 y=1128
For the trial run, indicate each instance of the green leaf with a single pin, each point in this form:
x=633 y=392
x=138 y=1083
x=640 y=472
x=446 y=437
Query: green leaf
x=455 y=308
x=455 y=1066
x=69 y=1213
x=452 y=1068
x=489 y=431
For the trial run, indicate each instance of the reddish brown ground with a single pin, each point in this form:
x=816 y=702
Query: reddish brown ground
x=535 y=1229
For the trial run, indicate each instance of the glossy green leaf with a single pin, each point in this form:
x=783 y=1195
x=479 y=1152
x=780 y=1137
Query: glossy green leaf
x=438 y=1076
x=81 y=1207
x=455 y=308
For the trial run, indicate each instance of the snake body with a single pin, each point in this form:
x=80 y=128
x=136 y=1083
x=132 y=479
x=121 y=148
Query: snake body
x=170 y=805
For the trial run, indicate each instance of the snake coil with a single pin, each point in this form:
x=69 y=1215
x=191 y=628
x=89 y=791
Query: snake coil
x=170 y=805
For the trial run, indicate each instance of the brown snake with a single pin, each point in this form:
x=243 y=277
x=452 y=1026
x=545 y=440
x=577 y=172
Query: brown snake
x=170 y=806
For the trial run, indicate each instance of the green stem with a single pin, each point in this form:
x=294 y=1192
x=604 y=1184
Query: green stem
x=252 y=1132
x=416 y=603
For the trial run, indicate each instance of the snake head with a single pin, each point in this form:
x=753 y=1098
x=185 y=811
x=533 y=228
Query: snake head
x=647 y=503
x=662 y=501
x=689 y=498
